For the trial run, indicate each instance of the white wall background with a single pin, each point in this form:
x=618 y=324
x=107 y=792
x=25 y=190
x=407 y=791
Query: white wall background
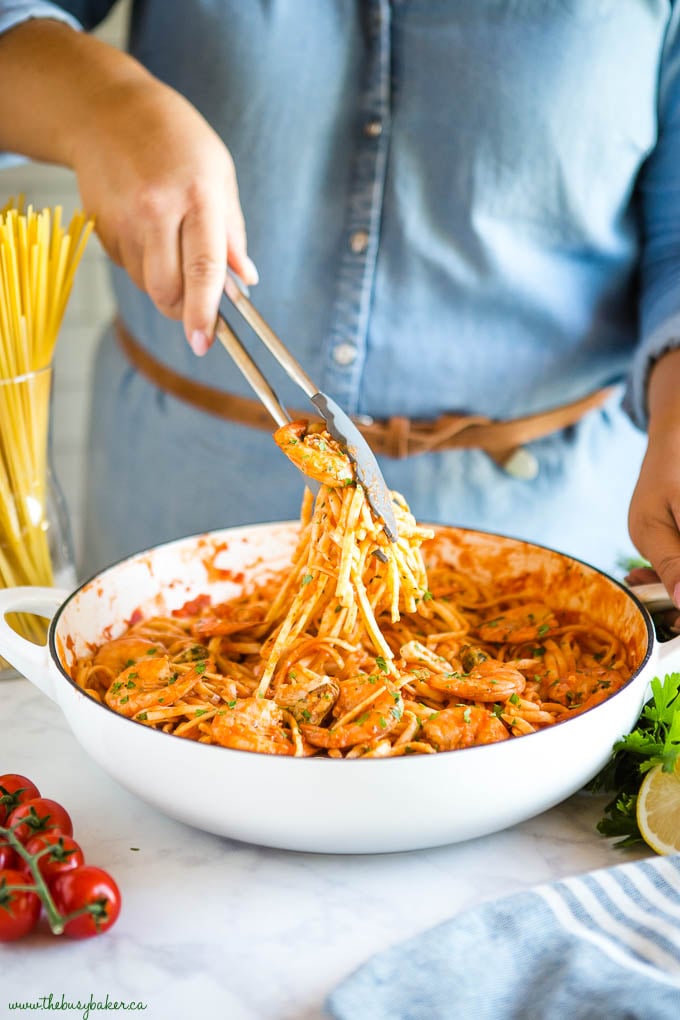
x=90 y=308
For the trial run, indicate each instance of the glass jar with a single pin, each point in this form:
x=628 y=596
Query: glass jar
x=36 y=547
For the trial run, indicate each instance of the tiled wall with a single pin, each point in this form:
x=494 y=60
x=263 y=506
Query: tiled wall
x=90 y=307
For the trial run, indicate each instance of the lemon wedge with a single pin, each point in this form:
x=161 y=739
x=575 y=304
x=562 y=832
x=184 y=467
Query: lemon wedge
x=658 y=810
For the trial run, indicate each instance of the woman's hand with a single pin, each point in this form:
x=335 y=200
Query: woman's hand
x=162 y=188
x=158 y=180
x=654 y=516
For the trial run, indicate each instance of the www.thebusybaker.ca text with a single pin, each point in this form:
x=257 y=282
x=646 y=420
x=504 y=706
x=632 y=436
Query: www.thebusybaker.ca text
x=84 y=1007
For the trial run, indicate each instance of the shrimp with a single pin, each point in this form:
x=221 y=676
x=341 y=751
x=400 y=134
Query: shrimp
x=122 y=652
x=253 y=724
x=489 y=680
x=230 y=618
x=457 y=727
x=528 y=622
x=313 y=450
x=366 y=708
x=150 y=682
x=309 y=701
x=580 y=686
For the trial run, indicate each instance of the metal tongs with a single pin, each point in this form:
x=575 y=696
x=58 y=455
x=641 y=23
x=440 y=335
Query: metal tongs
x=338 y=423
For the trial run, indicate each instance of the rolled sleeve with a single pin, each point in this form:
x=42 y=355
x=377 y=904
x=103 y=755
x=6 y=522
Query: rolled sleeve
x=659 y=191
x=14 y=12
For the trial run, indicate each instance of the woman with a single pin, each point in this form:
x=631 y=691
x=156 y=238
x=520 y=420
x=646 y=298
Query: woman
x=455 y=209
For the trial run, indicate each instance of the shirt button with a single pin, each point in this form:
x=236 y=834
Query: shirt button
x=373 y=129
x=344 y=354
x=358 y=242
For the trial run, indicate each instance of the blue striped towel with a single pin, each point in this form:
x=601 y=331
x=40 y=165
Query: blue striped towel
x=605 y=945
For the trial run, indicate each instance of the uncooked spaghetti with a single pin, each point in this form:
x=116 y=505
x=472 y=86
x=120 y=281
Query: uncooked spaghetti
x=38 y=261
x=360 y=648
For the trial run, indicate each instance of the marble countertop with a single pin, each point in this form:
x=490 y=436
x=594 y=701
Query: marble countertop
x=216 y=928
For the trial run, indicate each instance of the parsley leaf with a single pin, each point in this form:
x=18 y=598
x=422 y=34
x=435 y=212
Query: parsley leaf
x=655 y=740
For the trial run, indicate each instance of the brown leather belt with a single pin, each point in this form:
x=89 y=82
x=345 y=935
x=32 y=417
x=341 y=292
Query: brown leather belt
x=392 y=437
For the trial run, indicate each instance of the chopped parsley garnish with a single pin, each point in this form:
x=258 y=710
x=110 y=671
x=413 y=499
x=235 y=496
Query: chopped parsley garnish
x=381 y=664
x=307 y=579
x=142 y=716
x=514 y=699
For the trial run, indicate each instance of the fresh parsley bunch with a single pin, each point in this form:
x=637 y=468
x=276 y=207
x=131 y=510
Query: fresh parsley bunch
x=654 y=741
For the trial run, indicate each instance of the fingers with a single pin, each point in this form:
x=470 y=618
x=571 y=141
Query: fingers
x=209 y=242
x=162 y=268
x=657 y=536
x=664 y=553
x=203 y=241
x=238 y=257
x=641 y=575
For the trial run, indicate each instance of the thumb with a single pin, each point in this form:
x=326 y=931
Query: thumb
x=659 y=542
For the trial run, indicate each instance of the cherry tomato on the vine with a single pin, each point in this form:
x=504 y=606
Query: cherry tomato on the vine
x=38 y=815
x=8 y=857
x=14 y=790
x=86 y=887
x=64 y=853
x=19 y=908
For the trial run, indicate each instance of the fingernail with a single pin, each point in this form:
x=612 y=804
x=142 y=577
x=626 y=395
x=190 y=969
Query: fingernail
x=253 y=275
x=676 y=595
x=199 y=342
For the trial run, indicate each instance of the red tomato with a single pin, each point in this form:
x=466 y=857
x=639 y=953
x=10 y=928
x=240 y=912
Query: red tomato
x=19 y=909
x=14 y=789
x=38 y=815
x=9 y=858
x=64 y=854
x=86 y=887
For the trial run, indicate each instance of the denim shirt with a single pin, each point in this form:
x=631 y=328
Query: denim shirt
x=454 y=207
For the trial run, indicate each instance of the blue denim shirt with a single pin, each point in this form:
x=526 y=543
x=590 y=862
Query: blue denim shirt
x=453 y=206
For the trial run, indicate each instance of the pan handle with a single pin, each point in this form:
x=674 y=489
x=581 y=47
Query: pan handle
x=32 y=660
x=656 y=599
x=653 y=596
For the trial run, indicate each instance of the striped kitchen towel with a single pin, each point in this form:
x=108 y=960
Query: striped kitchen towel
x=605 y=945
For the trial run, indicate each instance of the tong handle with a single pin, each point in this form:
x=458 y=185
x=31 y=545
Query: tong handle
x=251 y=372
x=238 y=295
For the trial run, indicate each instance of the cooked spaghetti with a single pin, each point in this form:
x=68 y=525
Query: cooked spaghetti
x=357 y=649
